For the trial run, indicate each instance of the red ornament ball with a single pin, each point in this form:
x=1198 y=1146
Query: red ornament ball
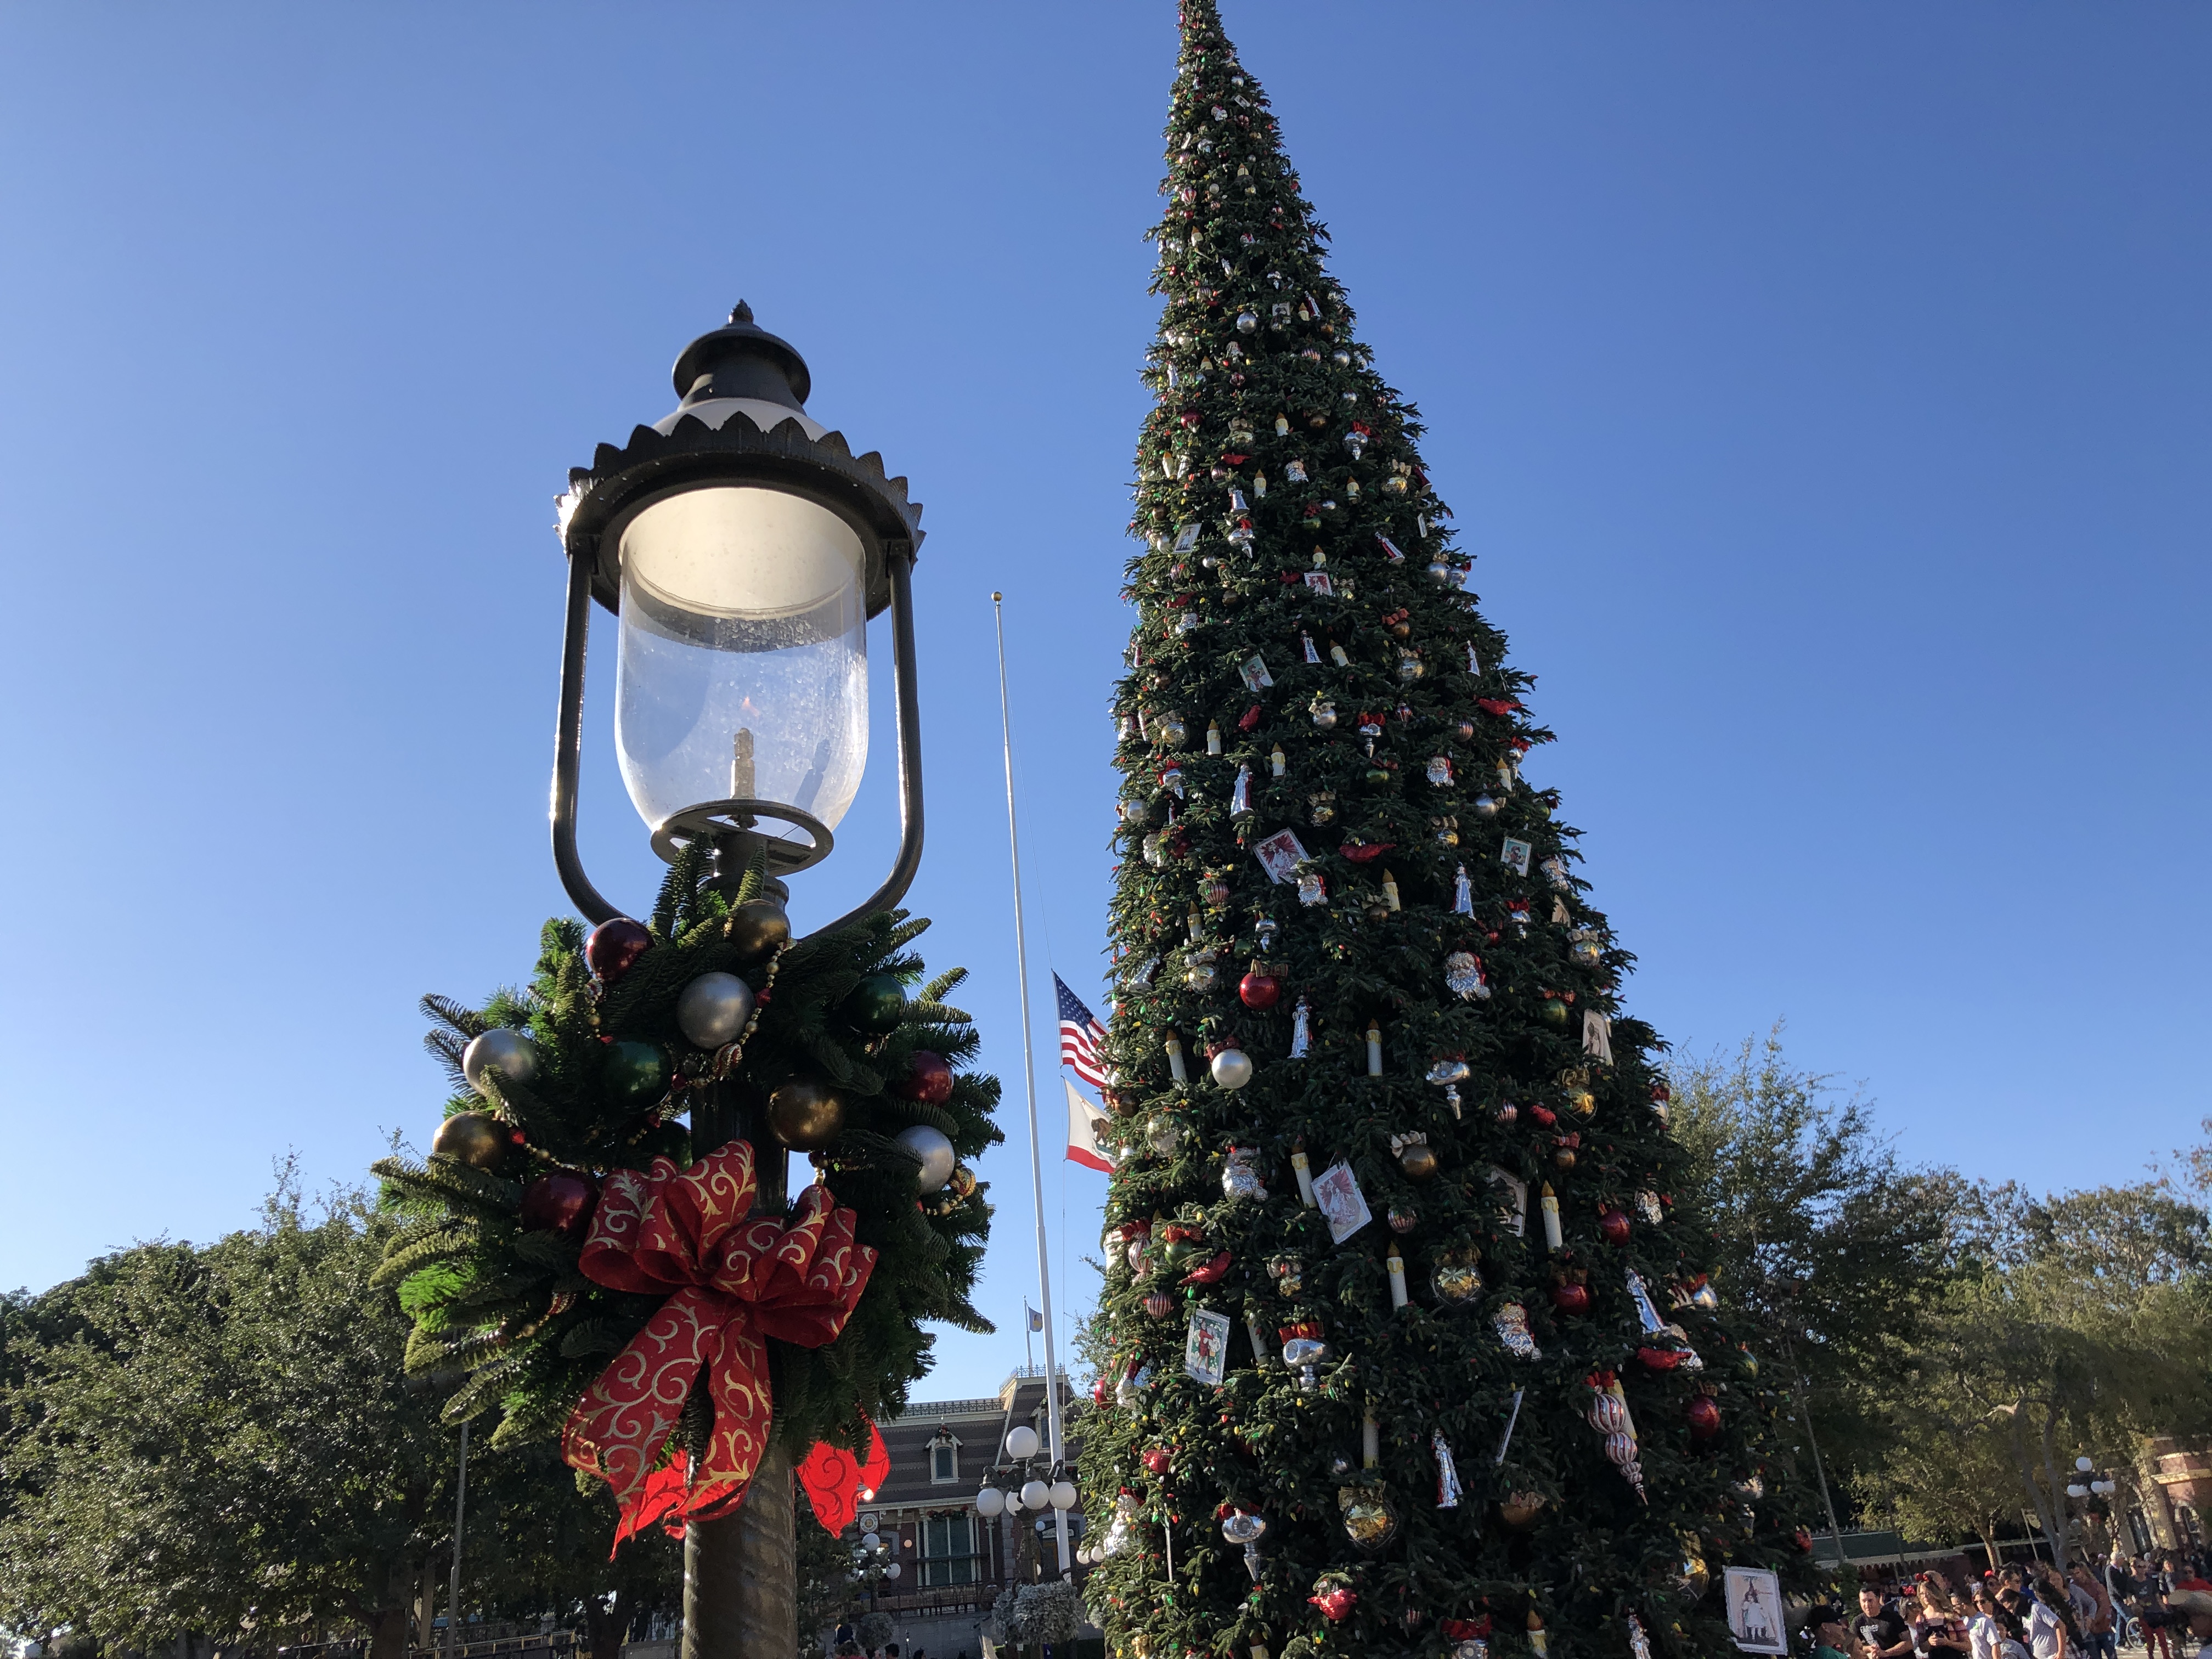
x=1613 y=1226
x=614 y=947
x=560 y=1202
x=1159 y=1304
x=1570 y=1297
x=928 y=1078
x=1259 y=990
x=1704 y=1413
x=1157 y=1461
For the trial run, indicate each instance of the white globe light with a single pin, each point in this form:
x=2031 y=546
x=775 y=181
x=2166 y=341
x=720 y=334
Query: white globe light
x=892 y=1570
x=1063 y=1494
x=1035 y=1494
x=1022 y=1442
x=2083 y=1464
x=2076 y=1489
x=871 y=1541
x=1013 y=1502
x=990 y=1502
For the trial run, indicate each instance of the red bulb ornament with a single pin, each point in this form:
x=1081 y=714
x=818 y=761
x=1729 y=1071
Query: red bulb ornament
x=1704 y=1413
x=1613 y=1226
x=1259 y=990
x=560 y=1202
x=928 y=1078
x=1570 y=1297
x=614 y=947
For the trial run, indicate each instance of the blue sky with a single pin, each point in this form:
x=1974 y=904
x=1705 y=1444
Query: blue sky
x=1824 y=390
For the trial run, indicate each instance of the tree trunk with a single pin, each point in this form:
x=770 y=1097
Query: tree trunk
x=2027 y=1485
x=2051 y=1474
x=388 y=1633
x=605 y=1627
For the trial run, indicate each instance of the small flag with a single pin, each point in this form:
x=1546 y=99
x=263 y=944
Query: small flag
x=1080 y=1034
x=1082 y=1122
x=1036 y=1319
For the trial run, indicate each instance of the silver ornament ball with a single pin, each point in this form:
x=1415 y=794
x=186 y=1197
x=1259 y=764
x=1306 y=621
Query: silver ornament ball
x=935 y=1152
x=713 y=1008
x=1232 y=1068
x=508 y=1053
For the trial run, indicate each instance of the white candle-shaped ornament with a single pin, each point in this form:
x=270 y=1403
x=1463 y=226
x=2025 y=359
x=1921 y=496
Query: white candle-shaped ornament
x=1303 y=1171
x=1549 y=1203
x=1175 y=1061
x=1390 y=889
x=1259 y=1339
x=1275 y=760
x=1213 y=736
x=1370 y=1440
x=1374 y=1049
x=1539 y=1644
x=1395 y=1264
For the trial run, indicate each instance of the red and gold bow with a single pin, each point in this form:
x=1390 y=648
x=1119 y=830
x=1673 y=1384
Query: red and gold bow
x=733 y=1279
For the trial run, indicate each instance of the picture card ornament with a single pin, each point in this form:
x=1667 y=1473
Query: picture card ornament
x=1597 y=1036
x=1515 y=854
x=1280 y=855
x=1342 y=1204
x=1205 y=1346
x=1186 y=537
x=1253 y=670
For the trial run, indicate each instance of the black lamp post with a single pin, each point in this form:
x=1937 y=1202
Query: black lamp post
x=743 y=549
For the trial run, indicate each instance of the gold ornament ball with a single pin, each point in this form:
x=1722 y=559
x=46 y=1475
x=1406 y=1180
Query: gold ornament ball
x=476 y=1139
x=1581 y=1102
x=1564 y=1158
x=1519 y=1510
x=805 y=1114
x=1419 y=1161
x=758 y=927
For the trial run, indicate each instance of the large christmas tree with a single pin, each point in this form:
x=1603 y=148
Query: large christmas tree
x=1401 y=1299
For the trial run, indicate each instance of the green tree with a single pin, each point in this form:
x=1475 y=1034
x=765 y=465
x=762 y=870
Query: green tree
x=1321 y=741
x=217 y=1440
x=1832 y=1247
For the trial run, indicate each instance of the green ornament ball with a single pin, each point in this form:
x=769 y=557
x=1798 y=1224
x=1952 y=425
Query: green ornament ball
x=877 y=1003
x=635 y=1072
x=1555 y=1013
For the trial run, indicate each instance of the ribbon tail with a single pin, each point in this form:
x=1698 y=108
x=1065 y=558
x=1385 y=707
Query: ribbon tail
x=617 y=1429
x=737 y=1383
x=835 y=1479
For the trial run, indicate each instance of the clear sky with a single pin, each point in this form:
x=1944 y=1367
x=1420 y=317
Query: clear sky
x=1824 y=388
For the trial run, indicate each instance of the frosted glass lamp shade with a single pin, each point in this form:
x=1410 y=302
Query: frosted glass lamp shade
x=1022 y=1442
x=744 y=668
x=990 y=1502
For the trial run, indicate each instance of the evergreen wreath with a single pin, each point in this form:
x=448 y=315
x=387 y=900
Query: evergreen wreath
x=497 y=1214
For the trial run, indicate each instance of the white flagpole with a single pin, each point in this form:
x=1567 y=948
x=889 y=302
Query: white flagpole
x=1029 y=1066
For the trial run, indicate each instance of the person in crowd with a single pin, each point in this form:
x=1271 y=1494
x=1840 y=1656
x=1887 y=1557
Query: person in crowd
x=1830 y=1640
x=2189 y=1600
x=1879 y=1634
x=2046 y=1629
x=1938 y=1632
x=2153 y=1617
x=2094 y=1609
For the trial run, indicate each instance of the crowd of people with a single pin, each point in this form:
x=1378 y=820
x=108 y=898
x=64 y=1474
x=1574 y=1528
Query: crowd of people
x=2163 y=1600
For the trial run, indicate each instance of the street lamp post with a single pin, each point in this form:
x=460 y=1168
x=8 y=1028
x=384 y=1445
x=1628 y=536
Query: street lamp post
x=743 y=549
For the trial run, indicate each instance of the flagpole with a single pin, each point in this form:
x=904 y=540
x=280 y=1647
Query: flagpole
x=1028 y=1069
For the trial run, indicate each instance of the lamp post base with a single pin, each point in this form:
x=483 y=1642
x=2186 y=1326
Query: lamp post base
x=740 y=1574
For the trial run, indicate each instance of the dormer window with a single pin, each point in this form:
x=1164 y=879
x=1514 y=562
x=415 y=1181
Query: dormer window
x=944 y=1458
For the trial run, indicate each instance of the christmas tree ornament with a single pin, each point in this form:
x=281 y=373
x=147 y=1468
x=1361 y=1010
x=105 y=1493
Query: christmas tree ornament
x=1324 y=715
x=1259 y=989
x=1239 y=1178
x=1518 y=1511
x=1312 y=890
x=1159 y=1303
x=1335 y=1598
x=1448 y=1487
x=876 y=1004
x=1322 y=808
x=1374 y=1049
x=1445 y=830
x=1394 y=1265
x=935 y=1150
x=1243 y=1527
x=1240 y=795
x=1463 y=976
x=1173 y=1045
x=1136 y=1236
x=713 y=1010
x=506 y=1052
x=1213 y=736
x=1485 y=807
x=476 y=1139
x=1613 y=1224
x=1597 y=1039
x=1571 y=1295
x=758 y=928
x=1462 y=893
x=928 y=1078
x=1170 y=733
x=1164 y=1136
x=1275 y=761
x=1301 y=1171
x=1402 y=1220
x=1202 y=975
x=1440 y=572
x=560 y=1202
x=1608 y=1415
x=1456 y=1280
x=806 y=1114
x=1232 y=1068
x=1639 y=1645
x=1511 y=1324
x=1548 y=1204
x=1246 y=323
x=1369 y=1518
x=1391 y=892
x=636 y=1074
x=1418 y=1158
x=1647 y=1205
x=614 y=946
x=1338 y=655
x=1553 y=1011
x=1439 y=772
x=1410 y=666
x=1539 y=1644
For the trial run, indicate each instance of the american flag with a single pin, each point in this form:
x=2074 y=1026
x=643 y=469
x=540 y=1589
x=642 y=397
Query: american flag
x=1080 y=1034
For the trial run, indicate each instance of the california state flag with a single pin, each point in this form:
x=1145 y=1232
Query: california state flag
x=1082 y=1122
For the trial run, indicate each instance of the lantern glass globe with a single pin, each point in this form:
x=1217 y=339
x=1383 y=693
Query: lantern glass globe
x=990 y=1502
x=1063 y=1494
x=2083 y=1464
x=1035 y=1494
x=743 y=655
x=1022 y=1442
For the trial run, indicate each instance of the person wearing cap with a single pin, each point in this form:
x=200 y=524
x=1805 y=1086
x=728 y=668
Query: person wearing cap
x=1828 y=1637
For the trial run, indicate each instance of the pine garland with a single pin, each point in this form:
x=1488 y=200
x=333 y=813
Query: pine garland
x=1306 y=658
x=504 y=1303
